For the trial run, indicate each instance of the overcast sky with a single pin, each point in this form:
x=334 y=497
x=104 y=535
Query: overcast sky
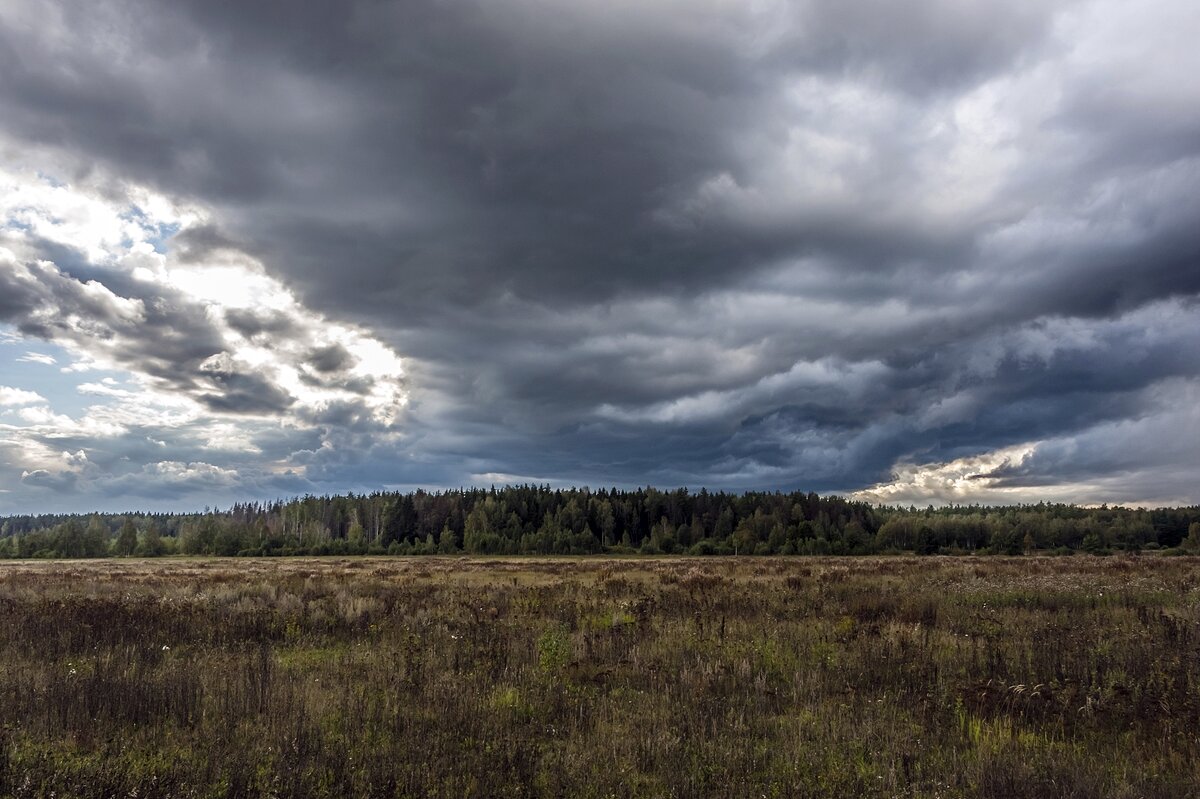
x=916 y=251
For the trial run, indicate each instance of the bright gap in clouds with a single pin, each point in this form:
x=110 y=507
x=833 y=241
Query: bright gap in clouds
x=126 y=356
x=1159 y=446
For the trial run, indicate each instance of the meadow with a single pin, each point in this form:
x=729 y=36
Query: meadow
x=673 y=677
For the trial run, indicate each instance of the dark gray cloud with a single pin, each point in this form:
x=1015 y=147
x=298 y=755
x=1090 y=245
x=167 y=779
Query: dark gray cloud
x=58 y=482
x=747 y=245
x=331 y=358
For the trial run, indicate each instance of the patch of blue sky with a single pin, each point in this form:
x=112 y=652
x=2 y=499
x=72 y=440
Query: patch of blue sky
x=12 y=223
x=50 y=179
x=162 y=234
x=35 y=365
x=157 y=234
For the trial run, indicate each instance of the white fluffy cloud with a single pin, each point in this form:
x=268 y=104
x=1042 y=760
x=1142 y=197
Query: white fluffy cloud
x=213 y=353
x=17 y=396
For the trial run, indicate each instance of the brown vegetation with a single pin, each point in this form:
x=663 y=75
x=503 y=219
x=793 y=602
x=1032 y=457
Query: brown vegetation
x=931 y=677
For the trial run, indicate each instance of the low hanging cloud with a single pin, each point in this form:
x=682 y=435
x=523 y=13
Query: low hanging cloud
x=841 y=247
x=1144 y=460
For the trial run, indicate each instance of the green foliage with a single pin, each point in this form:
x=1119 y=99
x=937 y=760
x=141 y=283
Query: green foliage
x=1192 y=542
x=152 y=542
x=553 y=651
x=1007 y=542
x=447 y=541
x=544 y=521
x=926 y=542
x=127 y=540
x=356 y=536
x=1093 y=543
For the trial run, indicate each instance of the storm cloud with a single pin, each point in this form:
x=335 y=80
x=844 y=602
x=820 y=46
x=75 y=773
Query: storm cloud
x=924 y=251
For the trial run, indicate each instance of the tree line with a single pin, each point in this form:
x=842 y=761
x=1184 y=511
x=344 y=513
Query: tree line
x=532 y=519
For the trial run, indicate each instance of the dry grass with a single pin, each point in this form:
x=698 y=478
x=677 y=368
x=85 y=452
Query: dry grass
x=932 y=677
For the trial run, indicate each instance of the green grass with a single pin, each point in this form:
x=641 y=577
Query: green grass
x=932 y=677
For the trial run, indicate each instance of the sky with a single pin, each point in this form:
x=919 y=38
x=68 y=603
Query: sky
x=923 y=251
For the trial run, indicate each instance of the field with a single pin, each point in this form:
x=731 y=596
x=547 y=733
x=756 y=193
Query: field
x=923 y=677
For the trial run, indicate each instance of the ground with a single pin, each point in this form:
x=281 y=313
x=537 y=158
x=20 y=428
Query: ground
x=925 y=677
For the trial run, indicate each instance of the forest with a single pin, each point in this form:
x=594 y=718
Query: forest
x=531 y=519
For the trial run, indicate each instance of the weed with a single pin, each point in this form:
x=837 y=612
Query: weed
x=898 y=676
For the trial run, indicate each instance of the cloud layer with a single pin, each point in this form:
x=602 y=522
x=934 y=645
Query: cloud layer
x=930 y=252
x=219 y=361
